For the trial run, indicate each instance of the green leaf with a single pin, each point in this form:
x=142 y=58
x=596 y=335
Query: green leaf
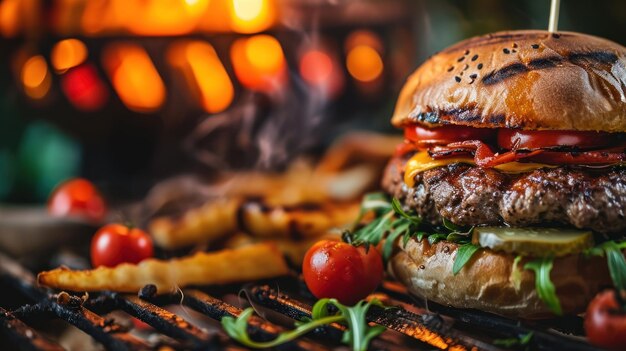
x=359 y=333
x=617 y=264
x=433 y=238
x=463 y=255
x=458 y=238
x=397 y=208
x=451 y=226
x=407 y=236
x=543 y=284
x=373 y=232
x=615 y=260
x=421 y=235
x=508 y=343
x=401 y=229
x=236 y=328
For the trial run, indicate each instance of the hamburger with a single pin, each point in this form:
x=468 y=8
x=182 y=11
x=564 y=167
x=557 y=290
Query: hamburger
x=515 y=148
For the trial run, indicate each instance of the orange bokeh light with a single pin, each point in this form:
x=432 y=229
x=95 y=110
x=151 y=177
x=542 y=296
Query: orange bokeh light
x=320 y=69
x=252 y=16
x=259 y=62
x=316 y=67
x=36 y=77
x=204 y=73
x=68 y=53
x=134 y=77
x=163 y=17
x=364 y=63
x=9 y=17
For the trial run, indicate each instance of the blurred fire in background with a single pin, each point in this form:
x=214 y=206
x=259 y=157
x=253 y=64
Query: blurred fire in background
x=126 y=92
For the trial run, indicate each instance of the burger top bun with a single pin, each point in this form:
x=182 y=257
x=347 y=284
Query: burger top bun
x=520 y=79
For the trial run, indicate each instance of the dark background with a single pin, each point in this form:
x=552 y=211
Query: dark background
x=125 y=153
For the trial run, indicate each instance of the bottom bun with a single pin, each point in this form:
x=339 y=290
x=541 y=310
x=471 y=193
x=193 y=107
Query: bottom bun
x=486 y=282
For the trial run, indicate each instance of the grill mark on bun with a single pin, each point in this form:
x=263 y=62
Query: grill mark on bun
x=543 y=63
x=594 y=56
x=497 y=76
x=577 y=58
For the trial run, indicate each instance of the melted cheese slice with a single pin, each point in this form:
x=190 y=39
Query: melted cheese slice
x=422 y=161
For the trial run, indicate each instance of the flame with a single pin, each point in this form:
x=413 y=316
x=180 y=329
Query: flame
x=36 y=77
x=205 y=73
x=259 y=62
x=84 y=88
x=252 y=16
x=68 y=53
x=134 y=77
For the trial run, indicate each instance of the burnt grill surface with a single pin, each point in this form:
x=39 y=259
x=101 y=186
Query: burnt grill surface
x=411 y=325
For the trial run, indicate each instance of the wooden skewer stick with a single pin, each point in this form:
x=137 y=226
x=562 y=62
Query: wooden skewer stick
x=554 y=16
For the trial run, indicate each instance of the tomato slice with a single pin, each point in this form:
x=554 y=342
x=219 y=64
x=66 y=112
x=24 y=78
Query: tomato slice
x=579 y=158
x=515 y=139
x=426 y=137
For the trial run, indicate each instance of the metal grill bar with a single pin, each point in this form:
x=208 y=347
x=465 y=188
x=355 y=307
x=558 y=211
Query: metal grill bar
x=429 y=331
x=24 y=336
x=505 y=327
x=214 y=308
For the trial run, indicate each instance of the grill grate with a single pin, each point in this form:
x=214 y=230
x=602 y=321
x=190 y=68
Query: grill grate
x=411 y=326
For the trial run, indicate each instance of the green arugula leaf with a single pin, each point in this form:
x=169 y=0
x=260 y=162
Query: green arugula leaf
x=358 y=334
x=397 y=208
x=463 y=254
x=451 y=226
x=543 y=284
x=421 y=235
x=374 y=231
x=615 y=260
x=401 y=229
x=617 y=264
x=508 y=343
x=434 y=238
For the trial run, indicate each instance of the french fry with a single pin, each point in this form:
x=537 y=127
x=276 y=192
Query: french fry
x=204 y=224
x=215 y=220
x=293 y=249
x=248 y=263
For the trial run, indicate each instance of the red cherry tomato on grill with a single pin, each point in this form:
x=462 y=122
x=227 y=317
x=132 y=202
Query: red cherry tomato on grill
x=336 y=269
x=116 y=243
x=536 y=139
x=425 y=137
x=605 y=322
x=78 y=197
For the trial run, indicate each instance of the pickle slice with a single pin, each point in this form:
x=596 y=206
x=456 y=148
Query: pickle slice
x=534 y=241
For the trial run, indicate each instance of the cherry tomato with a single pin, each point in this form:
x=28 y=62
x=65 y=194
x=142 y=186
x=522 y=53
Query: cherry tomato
x=336 y=269
x=116 y=243
x=77 y=197
x=605 y=322
x=536 y=139
x=425 y=137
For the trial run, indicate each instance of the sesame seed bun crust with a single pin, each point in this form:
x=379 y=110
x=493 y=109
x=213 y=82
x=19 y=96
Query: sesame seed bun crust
x=521 y=79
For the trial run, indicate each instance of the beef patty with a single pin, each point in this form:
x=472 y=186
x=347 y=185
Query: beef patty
x=469 y=195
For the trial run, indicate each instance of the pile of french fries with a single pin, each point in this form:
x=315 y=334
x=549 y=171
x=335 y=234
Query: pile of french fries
x=257 y=220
